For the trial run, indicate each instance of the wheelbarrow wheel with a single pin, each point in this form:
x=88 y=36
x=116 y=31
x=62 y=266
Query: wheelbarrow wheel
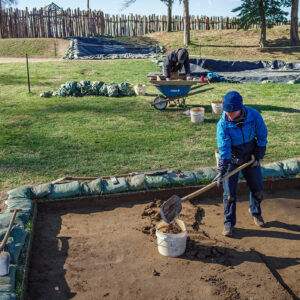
x=160 y=106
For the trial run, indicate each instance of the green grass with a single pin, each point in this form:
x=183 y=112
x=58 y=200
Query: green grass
x=44 y=139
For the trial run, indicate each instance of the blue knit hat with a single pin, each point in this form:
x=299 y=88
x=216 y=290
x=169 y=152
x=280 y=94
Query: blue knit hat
x=232 y=101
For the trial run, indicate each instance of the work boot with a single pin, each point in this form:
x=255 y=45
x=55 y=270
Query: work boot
x=259 y=221
x=227 y=231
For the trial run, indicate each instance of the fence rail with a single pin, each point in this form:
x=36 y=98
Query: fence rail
x=41 y=23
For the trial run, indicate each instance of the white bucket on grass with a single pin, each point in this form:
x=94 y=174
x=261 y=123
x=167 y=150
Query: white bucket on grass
x=140 y=89
x=217 y=107
x=197 y=114
x=171 y=244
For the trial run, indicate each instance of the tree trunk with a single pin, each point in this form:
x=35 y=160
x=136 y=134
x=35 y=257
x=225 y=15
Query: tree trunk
x=88 y=4
x=169 y=25
x=186 y=18
x=294 y=23
x=263 y=32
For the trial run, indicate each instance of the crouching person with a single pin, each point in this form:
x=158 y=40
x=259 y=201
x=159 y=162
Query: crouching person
x=241 y=132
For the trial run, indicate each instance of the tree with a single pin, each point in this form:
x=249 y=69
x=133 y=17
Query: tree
x=3 y=4
x=264 y=12
x=169 y=3
x=186 y=20
x=294 y=23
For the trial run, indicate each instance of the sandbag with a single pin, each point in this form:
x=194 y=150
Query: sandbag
x=209 y=173
x=7 y=296
x=157 y=180
x=291 y=166
x=199 y=175
x=272 y=170
x=187 y=177
x=21 y=192
x=110 y=188
x=65 y=190
x=41 y=190
x=112 y=90
x=19 y=203
x=15 y=243
x=137 y=182
x=94 y=187
x=7 y=283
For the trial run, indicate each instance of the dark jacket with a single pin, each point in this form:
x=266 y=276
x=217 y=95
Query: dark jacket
x=171 y=63
x=238 y=143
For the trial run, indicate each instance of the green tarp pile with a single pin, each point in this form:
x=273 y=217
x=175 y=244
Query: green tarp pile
x=95 y=88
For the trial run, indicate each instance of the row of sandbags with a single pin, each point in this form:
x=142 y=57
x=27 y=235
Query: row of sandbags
x=96 y=88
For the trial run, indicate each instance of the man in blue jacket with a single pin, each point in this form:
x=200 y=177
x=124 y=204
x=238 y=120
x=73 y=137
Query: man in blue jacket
x=174 y=62
x=241 y=132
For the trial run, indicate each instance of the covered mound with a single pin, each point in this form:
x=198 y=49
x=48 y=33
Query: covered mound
x=101 y=48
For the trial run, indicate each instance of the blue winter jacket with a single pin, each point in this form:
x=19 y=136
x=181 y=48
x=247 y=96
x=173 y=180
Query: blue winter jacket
x=238 y=143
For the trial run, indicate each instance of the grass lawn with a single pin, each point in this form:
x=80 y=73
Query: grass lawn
x=44 y=139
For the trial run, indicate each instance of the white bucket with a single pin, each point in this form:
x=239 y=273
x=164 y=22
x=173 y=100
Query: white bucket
x=140 y=89
x=197 y=114
x=171 y=244
x=217 y=155
x=217 y=107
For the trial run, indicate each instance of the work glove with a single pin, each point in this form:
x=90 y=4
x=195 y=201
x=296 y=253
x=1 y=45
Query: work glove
x=259 y=152
x=188 y=77
x=168 y=79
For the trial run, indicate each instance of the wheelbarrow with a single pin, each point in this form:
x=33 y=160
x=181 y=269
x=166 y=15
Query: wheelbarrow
x=175 y=91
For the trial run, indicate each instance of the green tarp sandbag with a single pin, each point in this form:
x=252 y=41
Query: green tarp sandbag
x=137 y=182
x=199 y=176
x=15 y=243
x=5 y=218
x=112 y=90
x=7 y=296
x=110 y=188
x=94 y=187
x=65 y=190
x=19 y=203
x=209 y=173
x=272 y=170
x=291 y=166
x=41 y=190
x=22 y=192
x=157 y=180
x=7 y=283
x=183 y=177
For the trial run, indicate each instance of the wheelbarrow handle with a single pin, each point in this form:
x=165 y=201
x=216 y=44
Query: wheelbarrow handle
x=3 y=242
x=214 y=183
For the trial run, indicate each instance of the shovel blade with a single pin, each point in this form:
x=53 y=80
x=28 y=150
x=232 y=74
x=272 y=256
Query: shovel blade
x=171 y=208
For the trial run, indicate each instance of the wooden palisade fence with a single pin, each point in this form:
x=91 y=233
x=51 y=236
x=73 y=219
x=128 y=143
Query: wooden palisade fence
x=15 y=23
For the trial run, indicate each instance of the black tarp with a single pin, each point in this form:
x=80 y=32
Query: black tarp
x=102 y=48
x=246 y=71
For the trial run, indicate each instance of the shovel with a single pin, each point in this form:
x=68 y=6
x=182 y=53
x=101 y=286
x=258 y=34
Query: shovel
x=172 y=207
x=4 y=256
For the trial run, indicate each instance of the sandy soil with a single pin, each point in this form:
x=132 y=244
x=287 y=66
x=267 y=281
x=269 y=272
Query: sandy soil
x=111 y=253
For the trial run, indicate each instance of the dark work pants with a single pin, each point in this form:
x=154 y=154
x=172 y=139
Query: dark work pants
x=254 y=181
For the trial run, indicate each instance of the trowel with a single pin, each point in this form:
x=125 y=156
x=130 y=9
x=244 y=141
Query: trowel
x=5 y=256
x=172 y=207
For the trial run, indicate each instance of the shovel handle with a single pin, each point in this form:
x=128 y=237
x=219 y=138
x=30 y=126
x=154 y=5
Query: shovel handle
x=214 y=183
x=3 y=243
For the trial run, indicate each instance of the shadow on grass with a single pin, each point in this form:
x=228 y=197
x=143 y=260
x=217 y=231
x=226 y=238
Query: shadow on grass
x=22 y=80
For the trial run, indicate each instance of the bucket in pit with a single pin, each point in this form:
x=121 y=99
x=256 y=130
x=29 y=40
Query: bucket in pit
x=140 y=89
x=217 y=107
x=197 y=114
x=171 y=244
